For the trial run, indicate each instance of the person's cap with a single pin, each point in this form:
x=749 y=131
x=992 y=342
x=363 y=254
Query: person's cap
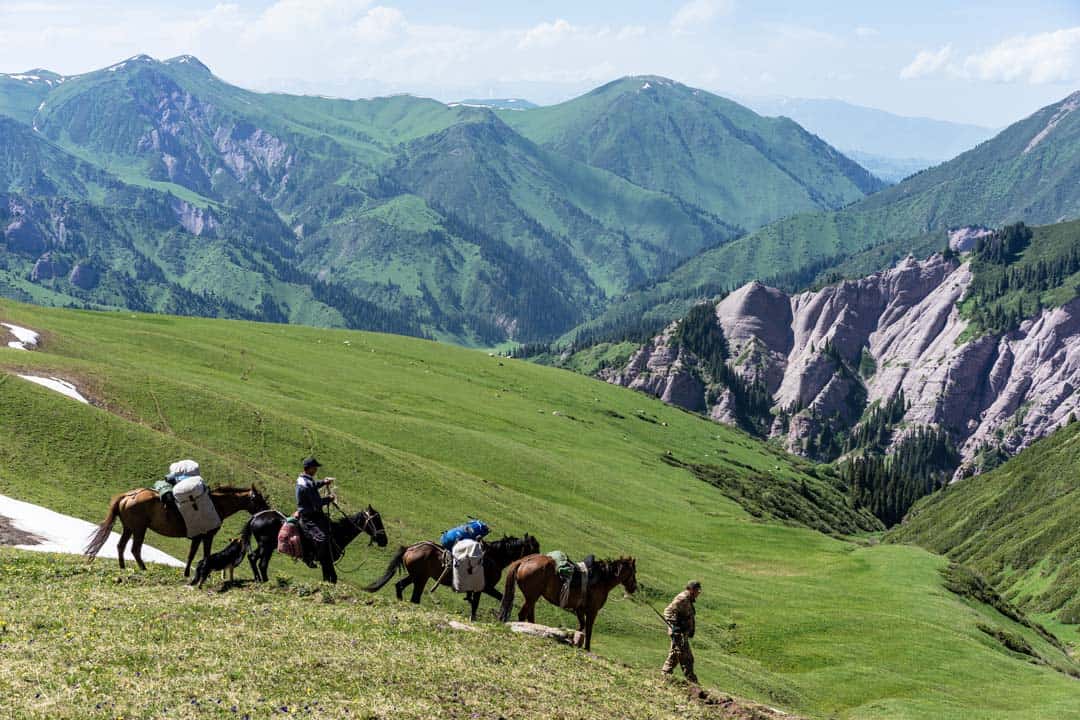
x=693 y=585
x=311 y=462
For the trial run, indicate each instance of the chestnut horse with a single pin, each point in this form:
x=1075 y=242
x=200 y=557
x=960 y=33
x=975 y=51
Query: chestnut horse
x=536 y=575
x=424 y=561
x=142 y=510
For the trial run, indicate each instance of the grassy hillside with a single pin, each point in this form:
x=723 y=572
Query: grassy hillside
x=1029 y=172
x=68 y=632
x=1017 y=526
x=429 y=433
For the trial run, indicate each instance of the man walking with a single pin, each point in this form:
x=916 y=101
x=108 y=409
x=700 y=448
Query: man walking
x=309 y=508
x=679 y=616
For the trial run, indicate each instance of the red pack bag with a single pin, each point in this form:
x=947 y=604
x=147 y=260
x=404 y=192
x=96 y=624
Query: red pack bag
x=289 y=540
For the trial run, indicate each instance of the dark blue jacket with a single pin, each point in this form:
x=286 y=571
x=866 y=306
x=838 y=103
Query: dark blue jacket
x=308 y=500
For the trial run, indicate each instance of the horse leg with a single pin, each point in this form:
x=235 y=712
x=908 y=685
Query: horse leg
x=474 y=603
x=494 y=592
x=267 y=551
x=136 y=547
x=417 y=591
x=528 y=609
x=253 y=557
x=590 y=618
x=329 y=574
x=122 y=545
x=191 y=556
x=400 y=586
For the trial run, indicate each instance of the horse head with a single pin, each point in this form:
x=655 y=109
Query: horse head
x=531 y=546
x=371 y=522
x=256 y=501
x=627 y=574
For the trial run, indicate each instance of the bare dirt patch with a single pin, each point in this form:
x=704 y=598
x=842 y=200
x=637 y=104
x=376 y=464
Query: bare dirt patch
x=11 y=535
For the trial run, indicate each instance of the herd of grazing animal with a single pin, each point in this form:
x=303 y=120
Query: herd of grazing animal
x=535 y=575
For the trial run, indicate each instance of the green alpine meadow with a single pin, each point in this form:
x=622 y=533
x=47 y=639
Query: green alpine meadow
x=802 y=610
x=706 y=360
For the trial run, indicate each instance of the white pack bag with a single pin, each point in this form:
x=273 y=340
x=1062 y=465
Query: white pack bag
x=468 y=566
x=195 y=506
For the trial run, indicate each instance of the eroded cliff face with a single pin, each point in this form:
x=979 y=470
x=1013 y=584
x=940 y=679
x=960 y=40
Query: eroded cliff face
x=826 y=356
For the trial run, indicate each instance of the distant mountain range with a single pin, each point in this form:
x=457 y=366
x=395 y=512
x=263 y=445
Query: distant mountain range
x=1028 y=172
x=498 y=104
x=157 y=186
x=890 y=146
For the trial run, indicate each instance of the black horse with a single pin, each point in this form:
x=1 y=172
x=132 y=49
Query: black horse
x=266 y=525
x=427 y=560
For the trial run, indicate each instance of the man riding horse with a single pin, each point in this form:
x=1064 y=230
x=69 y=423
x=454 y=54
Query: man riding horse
x=314 y=521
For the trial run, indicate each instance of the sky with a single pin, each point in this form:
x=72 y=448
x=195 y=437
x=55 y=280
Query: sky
x=987 y=63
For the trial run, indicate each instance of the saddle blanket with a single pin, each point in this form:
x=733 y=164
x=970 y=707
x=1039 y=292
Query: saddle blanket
x=195 y=506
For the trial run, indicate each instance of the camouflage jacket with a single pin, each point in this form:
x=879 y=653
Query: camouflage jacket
x=680 y=614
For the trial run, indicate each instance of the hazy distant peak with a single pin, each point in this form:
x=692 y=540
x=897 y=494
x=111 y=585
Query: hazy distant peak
x=35 y=77
x=496 y=103
x=189 y=60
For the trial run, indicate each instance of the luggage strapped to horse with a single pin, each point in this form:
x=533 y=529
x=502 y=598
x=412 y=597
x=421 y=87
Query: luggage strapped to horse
x=468 y=566
x=472 y=530
x=196 y=507
x=572 y=574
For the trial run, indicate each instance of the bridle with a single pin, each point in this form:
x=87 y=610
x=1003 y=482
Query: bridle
x=369 y=522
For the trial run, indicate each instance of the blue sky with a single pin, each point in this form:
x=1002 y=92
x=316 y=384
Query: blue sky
x=983 y=62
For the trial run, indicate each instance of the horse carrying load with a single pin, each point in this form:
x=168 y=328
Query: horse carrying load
x=472 y=530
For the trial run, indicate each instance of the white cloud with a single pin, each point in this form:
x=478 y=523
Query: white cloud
x=547 y=34
x=1048 y=57
x=379 y=24
x=865 y=31
x=927 y=62
x=696 y=13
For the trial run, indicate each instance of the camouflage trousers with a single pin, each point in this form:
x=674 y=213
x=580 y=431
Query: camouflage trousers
x=681 y=655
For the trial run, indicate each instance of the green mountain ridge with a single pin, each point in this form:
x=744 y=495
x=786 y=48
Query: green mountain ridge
x=1029 y=172
x=425 y=218
x=710 y=151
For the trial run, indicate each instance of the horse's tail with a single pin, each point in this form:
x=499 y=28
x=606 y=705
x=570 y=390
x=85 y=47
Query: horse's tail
x=508 y=592
x=245 y=534
x=395 y=565
x=93 y=546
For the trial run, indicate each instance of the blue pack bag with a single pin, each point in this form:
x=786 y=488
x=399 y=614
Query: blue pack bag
x=472 y=530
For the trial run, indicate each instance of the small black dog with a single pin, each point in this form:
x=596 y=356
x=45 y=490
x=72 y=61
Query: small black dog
x=224 y=560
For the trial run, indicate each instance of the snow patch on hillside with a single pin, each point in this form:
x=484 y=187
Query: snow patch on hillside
x=24 y=339
x=47 y=531
x=61 y=386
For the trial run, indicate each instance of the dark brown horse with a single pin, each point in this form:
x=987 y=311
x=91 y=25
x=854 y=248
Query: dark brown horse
x=537 y=577
x=424 y=561
x=142 y=510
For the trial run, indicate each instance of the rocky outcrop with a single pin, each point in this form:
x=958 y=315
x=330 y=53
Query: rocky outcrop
x=23 y=236
x=84 y=276
x=47 y=267
x=825 y=356
x=666 y=371
x=195 y=220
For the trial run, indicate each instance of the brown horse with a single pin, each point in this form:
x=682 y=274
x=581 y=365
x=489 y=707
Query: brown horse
x=142 y=510
x=536 y=576
x=424 y=561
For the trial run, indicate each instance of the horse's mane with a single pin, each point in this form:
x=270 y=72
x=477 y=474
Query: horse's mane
x=607 y=569
x=230 y=489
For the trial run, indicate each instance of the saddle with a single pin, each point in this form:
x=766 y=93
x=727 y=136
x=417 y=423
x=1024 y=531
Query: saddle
x=572 y=575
